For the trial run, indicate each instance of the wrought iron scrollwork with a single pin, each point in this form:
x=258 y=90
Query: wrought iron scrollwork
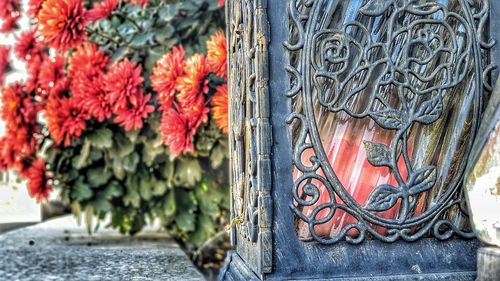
x=409 y=61
x=250 y=136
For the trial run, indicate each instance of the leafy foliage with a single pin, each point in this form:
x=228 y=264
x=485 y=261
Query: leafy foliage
x=131 y=174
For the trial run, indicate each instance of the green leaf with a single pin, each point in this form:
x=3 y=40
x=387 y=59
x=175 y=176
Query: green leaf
x=102 y=205
x=114 y=189
x=130 y=162
x=98 y=176
x=146 y=188
x=188 y=172
x=170 y=206
x=122 y=146
x=217 y=156
x=102 y=138
x=81 y=191
x=118 y=170
x=141 y=39
x=186 y=221
x=80 y=160
x=132 y=197
x=168 y=12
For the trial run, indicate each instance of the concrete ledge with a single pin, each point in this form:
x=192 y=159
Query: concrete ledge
x=61 y=250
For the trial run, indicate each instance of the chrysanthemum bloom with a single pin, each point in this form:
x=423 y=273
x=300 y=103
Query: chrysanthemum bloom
x=33 y=67
x=9 y=23
x=14 y=151
x=7 y=153
x=217 y=54
x=131 y=118
x=102 y=10
x=12 y=105
x=220 y=108
x=176 y=134
x=87 y=58
x=220 y=3
x=62 y=23
x=123 y=83
x=194 y=81
x=38 y=181
x=65 y=119
x=196 y=113
x=34 y=7
x=165 y=74
x=51 y=74
x=27 y=46
x=9 y=14
x=4 y=62
x=89 y=92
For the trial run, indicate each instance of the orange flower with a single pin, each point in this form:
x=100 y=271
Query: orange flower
x=194 y=80
x=165 y=74
x=220 y=108
x=62 y=23
x=87 y=58
x=38 y=186
x=196 y=113
x=176 y=133
x=139 y=2
x=34 y=7
x=217 y=54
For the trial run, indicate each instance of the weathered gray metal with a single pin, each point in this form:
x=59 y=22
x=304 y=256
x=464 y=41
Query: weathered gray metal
x=289 y=60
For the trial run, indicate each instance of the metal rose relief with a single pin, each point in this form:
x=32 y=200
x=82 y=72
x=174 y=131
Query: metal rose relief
x=386 y=98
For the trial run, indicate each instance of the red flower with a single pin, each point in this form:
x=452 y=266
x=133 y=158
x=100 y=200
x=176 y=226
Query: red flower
x=196 y=113
x=19 y=111
x=89 y=92
x=38 y=186
x=65 y=119
x=34 y=7
x=33 y=67
x=131 y=118
x=9 y=14
x=220 y=108
x=217 y=54
x=123 y=83
x=27 y=46
x=87 y=58
x=194 y=80
x=176 y=133
x=4 y=62
x=51 y=75
x=165 y=74
x=102 y=10
x=220 y=3
x=62 y=23
x=11 y=104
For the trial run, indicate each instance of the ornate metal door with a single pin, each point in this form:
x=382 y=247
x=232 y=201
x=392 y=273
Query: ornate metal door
x=352 y=122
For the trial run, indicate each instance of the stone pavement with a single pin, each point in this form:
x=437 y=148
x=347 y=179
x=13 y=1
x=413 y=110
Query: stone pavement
x=59 y=249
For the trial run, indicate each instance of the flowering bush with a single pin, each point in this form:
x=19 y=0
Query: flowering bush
x=124 y=110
